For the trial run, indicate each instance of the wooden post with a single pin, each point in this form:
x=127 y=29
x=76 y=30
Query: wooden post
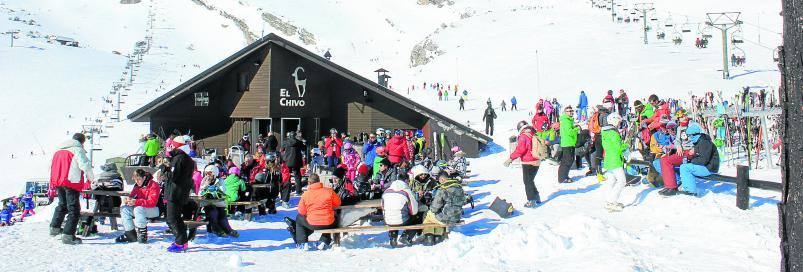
x=743 y=187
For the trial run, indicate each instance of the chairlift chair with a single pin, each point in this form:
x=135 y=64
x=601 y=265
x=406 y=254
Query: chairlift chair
x=677 y=38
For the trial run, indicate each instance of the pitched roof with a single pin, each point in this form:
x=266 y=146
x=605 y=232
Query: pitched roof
x=141 y=114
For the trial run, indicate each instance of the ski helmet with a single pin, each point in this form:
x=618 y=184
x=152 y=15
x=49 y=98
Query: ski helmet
x=614 y=120
x=521 y=125
x=211 y=168
x=419 y=133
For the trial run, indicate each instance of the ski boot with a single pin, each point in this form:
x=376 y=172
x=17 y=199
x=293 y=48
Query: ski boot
x=70 y=240
x=142 y=235
x=429 y=239
x=667 y=192
x=128 y=236
x=176 y=248
x=55 y=232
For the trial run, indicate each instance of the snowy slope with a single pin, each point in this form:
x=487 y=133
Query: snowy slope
x=531 y=49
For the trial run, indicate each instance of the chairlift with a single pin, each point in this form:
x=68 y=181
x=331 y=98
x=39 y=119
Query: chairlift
x=654 y=19
x=636 y=19
x=738 y=36
x=620 y=19
x=738 y=57
x=677 y=38
x=627 y=20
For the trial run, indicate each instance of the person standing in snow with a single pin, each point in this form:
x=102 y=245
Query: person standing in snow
x=293 y=151
x=622 y=103
x=152 y=147
x=613 y=163
x=70 y=169
x=271 y=143
x=503 y=105
x=177 y=192
x=446 y=95
x=513 y=103
x=568 y=139
x=462 y=104
x=489 y=117
x=529 y=163
x=582 y=107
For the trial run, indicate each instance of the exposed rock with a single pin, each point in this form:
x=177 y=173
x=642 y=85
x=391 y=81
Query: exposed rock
x=289 y=29
x=424 y=52
x=438 y=3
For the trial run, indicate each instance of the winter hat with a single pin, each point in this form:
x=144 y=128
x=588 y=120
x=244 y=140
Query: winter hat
x=362 y=169
x=234 y=171
x=385 y=162
x=178 y=141
x=211 y=168
x=418 y=170
x=347 y=146
x=340 y=173
x=694 y=131
x=455 y=149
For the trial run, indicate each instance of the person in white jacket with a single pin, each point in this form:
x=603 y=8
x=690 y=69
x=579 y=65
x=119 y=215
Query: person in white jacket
x=399 y=206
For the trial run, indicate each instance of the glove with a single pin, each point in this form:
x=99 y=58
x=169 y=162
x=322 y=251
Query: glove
x=507 y=162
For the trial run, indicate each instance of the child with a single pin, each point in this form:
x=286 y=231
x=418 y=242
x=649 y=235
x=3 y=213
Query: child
x=234 y=185
x=331 y=155
x=212 y=189
x=5 y=216
x=612 y=162
x=27 y=205
x=351 y=159
x=317 y=158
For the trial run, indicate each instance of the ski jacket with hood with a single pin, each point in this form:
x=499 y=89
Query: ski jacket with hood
x=70 y=166
x=398 y=203
x=613 y=146
x=179 y=182
x=568 y=131
x=524 y=146
x=318 y=204
x=398 y=150
x=146 y=196
x=447 y=205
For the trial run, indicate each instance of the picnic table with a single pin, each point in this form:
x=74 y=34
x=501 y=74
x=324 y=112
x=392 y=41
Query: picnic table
x=112 y=215
x=350 y=214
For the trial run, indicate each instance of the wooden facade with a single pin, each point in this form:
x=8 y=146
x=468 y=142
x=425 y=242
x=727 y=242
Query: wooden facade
x=274 y=85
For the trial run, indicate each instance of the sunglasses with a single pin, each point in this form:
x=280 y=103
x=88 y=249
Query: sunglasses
x=694 y=134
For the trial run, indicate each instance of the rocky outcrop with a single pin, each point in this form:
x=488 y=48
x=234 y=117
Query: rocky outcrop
x=289 y=29
x=439 y=3
x=250 y=37
x=424 y=52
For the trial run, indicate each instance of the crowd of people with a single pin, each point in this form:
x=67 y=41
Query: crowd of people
x=658 y=131
x=390 y=165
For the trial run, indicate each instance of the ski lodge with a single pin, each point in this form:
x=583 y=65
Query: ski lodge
x=275 y=85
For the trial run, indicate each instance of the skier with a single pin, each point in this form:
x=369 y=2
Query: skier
x=462 y=103
x=440 y=95
x=513 y=103
x=398 y=149
x=529 y=161
x=69 y=170
x=556 y=110
x=568 y=138
x=27 y=205
x=503 y=105
x=351 y=159
x=582 y=107
x=369 y=151
x=488 y=117
x=293 y=153
x=152 y=147
x=608 y=98
x=614 y=166
x=548 y=110
x=539 y=119
x=446 y=95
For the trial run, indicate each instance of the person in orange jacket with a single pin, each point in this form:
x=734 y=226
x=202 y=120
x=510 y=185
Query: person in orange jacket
x=316 y=211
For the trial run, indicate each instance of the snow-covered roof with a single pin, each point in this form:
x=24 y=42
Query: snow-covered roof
x=142 y=114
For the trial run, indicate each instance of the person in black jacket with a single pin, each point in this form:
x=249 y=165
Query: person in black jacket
x=177 y=193
x=489 y=117
x=293 y=152
x=704 y=160
x=271 y=143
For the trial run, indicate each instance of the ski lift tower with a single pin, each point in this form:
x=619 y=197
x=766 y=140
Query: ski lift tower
x=92 y=130
x=724 y=21
x=645 y=8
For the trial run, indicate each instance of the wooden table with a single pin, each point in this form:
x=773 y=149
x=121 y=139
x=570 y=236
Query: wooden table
x=352 y=213
x=113 y=215
x=106 y=193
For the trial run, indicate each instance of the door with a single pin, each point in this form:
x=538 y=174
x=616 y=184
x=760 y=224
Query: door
x=262 y=126
x=290 y=124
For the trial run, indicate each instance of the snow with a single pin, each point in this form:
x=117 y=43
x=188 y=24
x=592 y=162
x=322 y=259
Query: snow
x=496 y=49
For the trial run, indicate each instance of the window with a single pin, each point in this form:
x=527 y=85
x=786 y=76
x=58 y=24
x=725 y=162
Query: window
x=202 y=99
x=242 y=82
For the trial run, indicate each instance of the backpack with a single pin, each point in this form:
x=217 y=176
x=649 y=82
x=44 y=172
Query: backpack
x=212 y=192
x=501 y=207
x=539 y=148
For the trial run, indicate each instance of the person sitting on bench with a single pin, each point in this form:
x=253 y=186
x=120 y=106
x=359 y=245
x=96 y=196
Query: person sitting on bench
x=315 y=212
x=212 y=189
x=704 y=160
x=138 y=207
x=446 y=208
x=399 y=207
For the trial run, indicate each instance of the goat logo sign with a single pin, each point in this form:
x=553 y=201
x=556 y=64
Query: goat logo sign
x=300 y=80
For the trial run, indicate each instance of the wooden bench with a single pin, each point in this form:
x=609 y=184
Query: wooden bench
x=189 y=223
x=350 y=214
x=248 y=205
x=742 y=181
x=337 y=233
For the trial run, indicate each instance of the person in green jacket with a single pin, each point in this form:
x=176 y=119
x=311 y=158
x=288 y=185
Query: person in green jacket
x=234 y=185
x=381 y=154
x=568 y=138
x=613 y=163
x=152 y=147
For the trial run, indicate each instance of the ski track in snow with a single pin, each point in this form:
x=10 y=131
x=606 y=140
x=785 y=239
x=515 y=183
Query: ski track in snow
x=492 y=53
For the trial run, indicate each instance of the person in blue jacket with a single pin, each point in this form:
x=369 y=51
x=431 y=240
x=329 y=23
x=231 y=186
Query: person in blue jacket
x=369 y=151
x=5 y=217
x=582 y=107
x=27 y=205
x=513 y=103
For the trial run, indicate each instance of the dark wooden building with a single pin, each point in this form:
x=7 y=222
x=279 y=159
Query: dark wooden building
x=275 y=85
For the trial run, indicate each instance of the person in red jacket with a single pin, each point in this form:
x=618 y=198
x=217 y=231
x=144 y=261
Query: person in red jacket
x=69 y=170
x=138 y=207
x=539 y=119
x=333 y=146
x=398 y=149
x=316 y=211
x=529 y=163
x=655 y=121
